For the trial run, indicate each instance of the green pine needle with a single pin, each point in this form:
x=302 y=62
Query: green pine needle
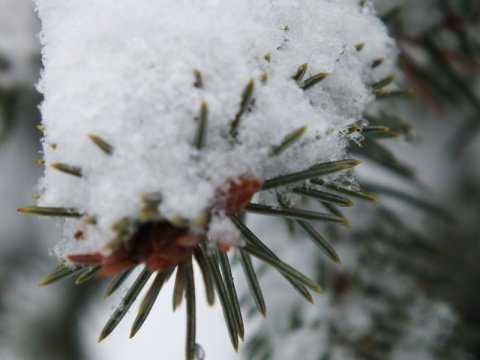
x=50 y=211
x=207 y=276
x=379 y=132
x=253 y=240
x=323 y=196
x=191 y=312
x=244 y=104
x=282 y=267
x=148 y=302
x=313 y=172
x=295 y=214
x=117 y=281
x=358 y=194
x=150 y=211
x=179 y=288
x=383 y=82
x=60 y=272
x=152 y=199
x=202 y=126
x=68 y=169
x=319 y=241
x=314 y=80
x=314 y=236
x=359 y=47
x=377 y=62
x=298 y=77
x=87 y=274
x=126 y=303
x=222 y=295
x=393 y=123
x=102 y=144
x=231 y=291
x=288 y=140
x=394 y=94
x=198 y=79
x=252 y=282
x=332 y=209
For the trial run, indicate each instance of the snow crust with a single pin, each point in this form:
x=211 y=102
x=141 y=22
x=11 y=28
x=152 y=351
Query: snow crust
x=123 y=70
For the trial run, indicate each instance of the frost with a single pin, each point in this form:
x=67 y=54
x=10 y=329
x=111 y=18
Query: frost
x=124 y=71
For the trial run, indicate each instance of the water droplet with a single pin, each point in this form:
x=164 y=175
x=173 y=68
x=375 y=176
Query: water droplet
x=199 y=352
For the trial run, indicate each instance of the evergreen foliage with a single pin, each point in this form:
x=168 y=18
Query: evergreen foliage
x=391 y=288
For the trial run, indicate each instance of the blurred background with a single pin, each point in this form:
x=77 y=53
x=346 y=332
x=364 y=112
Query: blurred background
x=409 y=285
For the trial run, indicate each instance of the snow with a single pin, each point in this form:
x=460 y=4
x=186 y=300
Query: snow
x=124 y=72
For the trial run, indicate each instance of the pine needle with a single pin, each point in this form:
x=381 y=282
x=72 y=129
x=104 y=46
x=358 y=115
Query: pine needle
x=319 y=241
x=126 y=303
x=148 y=302
x=198 y=79
x=90 y=220
x=298 y=77
x=60 y=272
x=313 y=172
x=102 y=144
x=50 y=211
x=383 y=82
x=323 y=196
x=377 y=62
x=191 y=312
x=207 y=276
x=295 y=214
x=395 y=94
x=315 y=236
x=314 y=80
x=332 y=209
x=222 y=295
x=202 y=126
x=359 y=47
x=231 y=291
x=288 y=140
x=253 y=240
x=150 y=210
x=282 y=267
x=368 y=131
x=252 y=282
x=179 y=288
x=393 y=123
x=359 y=194
x=68 y=169
x=117 y=282
x=244 y=104
x=87 y=274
